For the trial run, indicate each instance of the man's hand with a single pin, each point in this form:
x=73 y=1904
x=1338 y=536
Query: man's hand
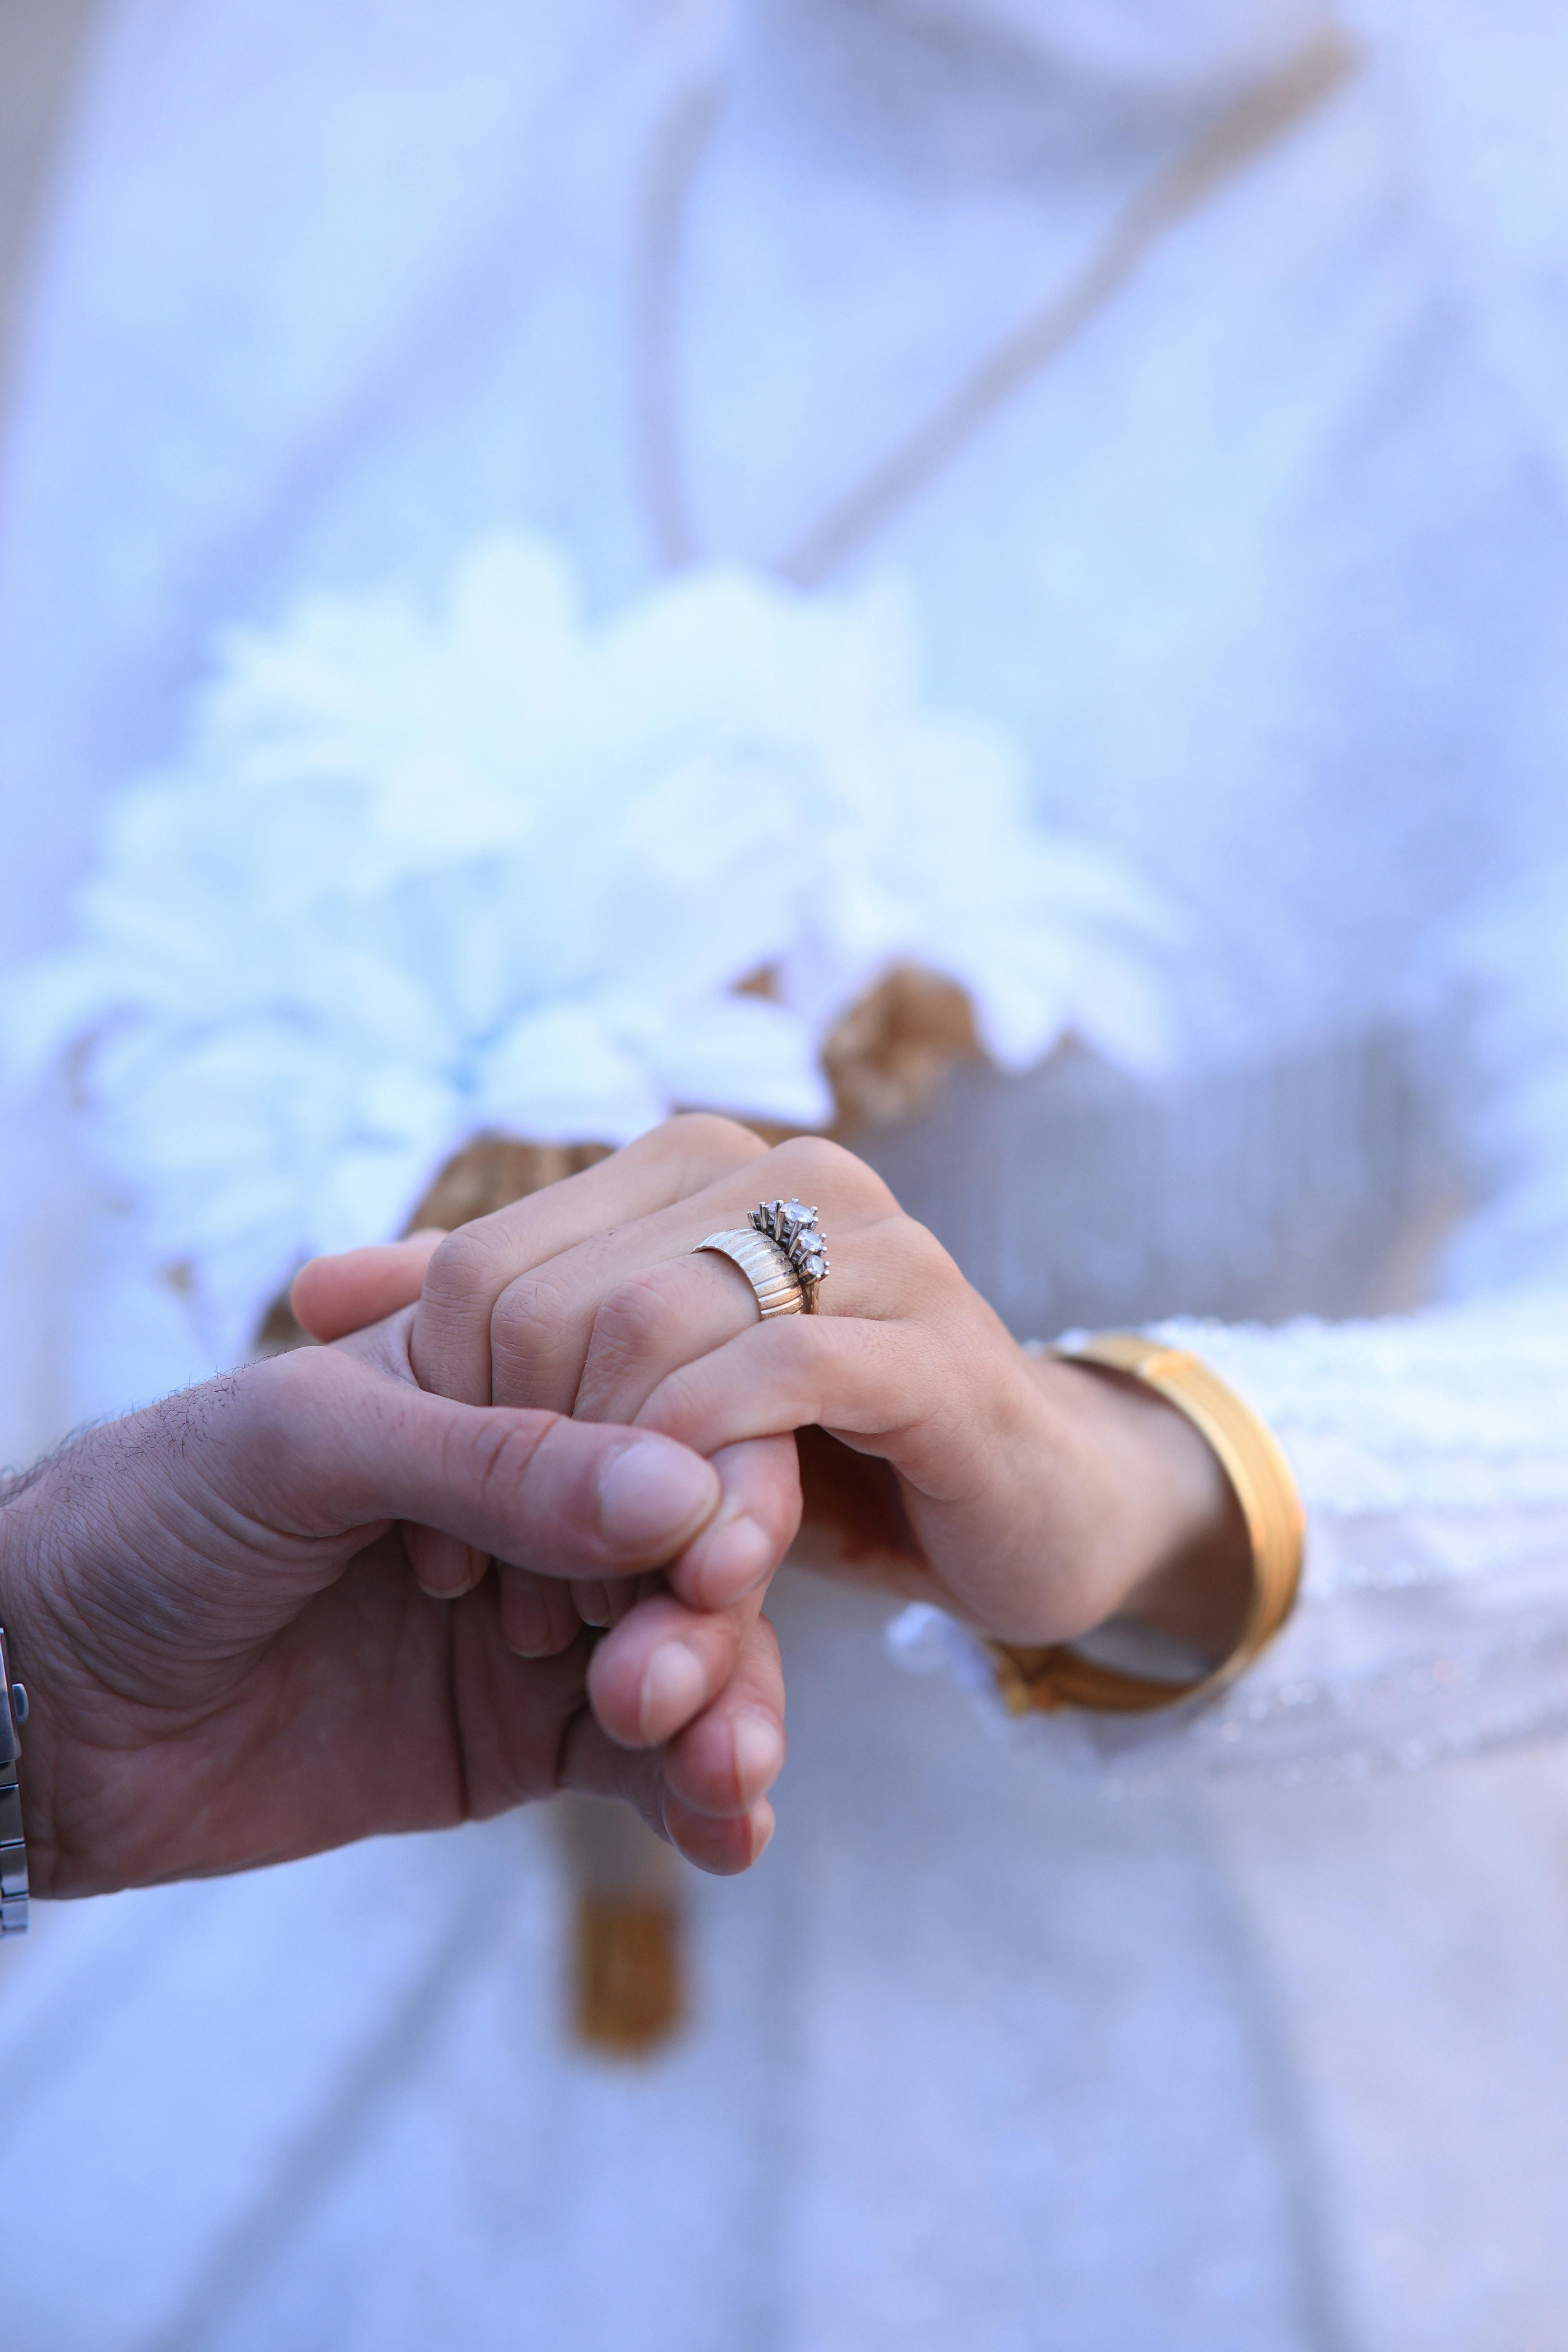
x=230 y=1663
x=1036 y=1500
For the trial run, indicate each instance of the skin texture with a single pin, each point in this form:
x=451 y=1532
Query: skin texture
x=1034 y=1499
x=229 y=1662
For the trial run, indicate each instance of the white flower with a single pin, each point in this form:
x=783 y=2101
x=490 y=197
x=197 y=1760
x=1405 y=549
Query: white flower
x=421 y=874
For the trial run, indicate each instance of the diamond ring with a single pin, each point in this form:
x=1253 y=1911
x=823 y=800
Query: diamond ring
x=797 y=1234
x=782 y=1254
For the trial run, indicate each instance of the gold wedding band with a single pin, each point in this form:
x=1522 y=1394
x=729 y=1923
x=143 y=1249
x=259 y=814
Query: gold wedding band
x=765 y=1266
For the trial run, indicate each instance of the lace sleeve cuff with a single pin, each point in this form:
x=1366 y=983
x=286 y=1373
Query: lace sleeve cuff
x=1432 y=1452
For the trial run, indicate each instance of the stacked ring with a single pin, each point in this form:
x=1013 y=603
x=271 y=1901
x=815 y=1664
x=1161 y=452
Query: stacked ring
x=782 y=1254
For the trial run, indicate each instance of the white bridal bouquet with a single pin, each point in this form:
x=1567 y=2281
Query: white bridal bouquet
x=426 y=870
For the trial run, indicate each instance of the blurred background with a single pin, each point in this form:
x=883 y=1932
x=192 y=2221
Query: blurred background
x=40 y=49
x=1103 y=461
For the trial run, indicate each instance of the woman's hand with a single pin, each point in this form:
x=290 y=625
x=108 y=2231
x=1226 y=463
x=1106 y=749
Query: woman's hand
x=679 y=1638
x=229 y=1663
x=1033 y=1498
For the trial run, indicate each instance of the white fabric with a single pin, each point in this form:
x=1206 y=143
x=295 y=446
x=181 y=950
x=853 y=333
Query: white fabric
x=1434 y=1617
x=427 y=874
x=1267 y=576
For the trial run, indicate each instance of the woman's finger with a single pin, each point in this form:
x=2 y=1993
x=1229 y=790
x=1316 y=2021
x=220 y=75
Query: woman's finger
x=749 y=1535
x=667 y=1657
x=331 y=1297
x=736 y=1555
x=734 y=1751
x=707 y=1792
x=644 y=1295
x=671 y=1312
x=723 y=1848
x=649 y=1322
x=466 y=1276
x=455 y=1288
x=901 y=1350
x=335 y=1295
x=881 y=1383
x=723 y=1845
x=638 y=1285
x=539 y=1335
x=663 y=1665
x=644 y=1667
x=960 y=1419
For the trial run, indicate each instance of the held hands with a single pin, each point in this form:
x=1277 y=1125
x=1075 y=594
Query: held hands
x=230 y=1663
x=1034 y=1499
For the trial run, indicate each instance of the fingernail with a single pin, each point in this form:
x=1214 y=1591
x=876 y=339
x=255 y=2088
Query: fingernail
x=763 y=1823
x=460 y=1582
x=444 y=1570
x=653 y=1496
x=674 y=1685
x=733 y=1560
x=759 y=1755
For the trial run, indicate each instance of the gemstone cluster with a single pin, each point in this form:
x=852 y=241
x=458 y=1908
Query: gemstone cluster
x=796 y=1230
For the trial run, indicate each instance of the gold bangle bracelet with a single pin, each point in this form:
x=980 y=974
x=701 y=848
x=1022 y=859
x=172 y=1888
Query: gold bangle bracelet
x=1057 y=1675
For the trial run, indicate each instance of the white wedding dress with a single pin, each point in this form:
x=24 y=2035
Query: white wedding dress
x=1234 y=2033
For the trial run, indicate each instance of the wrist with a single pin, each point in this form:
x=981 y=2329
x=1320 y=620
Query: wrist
x=1170 y=1546
x=23 y=1616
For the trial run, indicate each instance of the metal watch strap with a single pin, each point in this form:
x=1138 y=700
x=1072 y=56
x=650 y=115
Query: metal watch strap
x=13 y=1847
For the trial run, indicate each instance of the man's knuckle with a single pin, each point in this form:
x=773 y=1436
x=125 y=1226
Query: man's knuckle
x=504 y=1452
x=275 y=1402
